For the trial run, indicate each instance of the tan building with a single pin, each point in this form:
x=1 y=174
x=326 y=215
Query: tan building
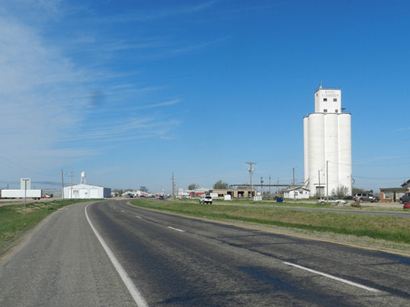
x=388 y=195
x=394 y=194
x=239 y=192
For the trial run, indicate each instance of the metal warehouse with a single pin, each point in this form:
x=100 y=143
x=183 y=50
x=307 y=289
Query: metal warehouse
x=86 y=191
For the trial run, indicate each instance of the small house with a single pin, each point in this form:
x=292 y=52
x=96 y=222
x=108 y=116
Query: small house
x=296 y=193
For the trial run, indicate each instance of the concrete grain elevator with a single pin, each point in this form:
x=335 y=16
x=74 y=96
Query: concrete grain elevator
x=327 y=146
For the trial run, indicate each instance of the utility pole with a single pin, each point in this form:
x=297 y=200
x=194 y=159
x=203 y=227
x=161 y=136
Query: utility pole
x=262 y=186
x=327 y=179
x=173 y=185
x=269 y=185
x=251 y=169
x=293 y=176
x=71 y=184
x=62 y=184
x=25 y=190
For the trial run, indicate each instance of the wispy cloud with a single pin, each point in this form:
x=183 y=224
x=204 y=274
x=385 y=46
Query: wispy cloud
x=32 y=10
x=92 y=45
x=171 y=51
x=48 y=100
x=161 y=104
x=125 y=130
x=145 y=16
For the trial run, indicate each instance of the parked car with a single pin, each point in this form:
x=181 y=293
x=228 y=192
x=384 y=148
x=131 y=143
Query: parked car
x=332 y=200
x=406 y=205
x=365 y=197
x=207 y=199
x=405 y=198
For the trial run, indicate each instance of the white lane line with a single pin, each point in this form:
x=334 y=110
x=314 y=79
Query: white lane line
x=139 y=217
x=135 y=293
x=176 y=229
x=332 y=277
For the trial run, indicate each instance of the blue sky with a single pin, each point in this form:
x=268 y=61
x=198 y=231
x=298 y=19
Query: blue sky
x=131 y=91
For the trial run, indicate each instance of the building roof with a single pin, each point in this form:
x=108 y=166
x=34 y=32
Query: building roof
x=406 y=184
x=296 y=188
x=404 y=190
x=83 y=186
x=321 y=88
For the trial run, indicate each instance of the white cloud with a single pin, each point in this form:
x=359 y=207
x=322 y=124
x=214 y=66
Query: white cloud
x=33 y=10
x=144 y=16
x=55 y=112
x=37 y=84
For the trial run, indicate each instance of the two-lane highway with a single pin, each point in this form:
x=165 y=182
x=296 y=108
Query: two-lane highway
x=172 y=260
x=185 y=261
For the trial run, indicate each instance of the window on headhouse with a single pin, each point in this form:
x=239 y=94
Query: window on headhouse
x=334 y=99
x=324 y=99
x=325 y=110
x=337 y=111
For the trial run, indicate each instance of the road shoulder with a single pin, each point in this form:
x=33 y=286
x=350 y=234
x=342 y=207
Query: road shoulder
x=21 y=241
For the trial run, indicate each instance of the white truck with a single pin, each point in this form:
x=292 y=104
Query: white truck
x=35 y=194
x=207 y=199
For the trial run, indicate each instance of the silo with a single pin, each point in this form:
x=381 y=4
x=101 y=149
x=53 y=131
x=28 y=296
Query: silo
x=306 y=148
x=345 y=152
x=327 y=145
x=316 y=154
x=331 y=153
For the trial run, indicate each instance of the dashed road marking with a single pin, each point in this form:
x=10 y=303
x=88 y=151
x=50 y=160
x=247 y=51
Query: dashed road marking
x=176 y=229
x=332 y=277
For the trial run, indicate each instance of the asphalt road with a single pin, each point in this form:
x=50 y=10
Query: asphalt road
x=178 y=261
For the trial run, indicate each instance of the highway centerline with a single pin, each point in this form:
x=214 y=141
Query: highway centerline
x=314 y=271
x=176 y=229
x=332 y=277
x=135 y=293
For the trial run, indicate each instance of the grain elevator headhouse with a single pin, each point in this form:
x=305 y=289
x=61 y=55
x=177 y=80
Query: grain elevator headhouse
x=327 y=146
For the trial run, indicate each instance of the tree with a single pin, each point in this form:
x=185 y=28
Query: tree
x=220 y=185
x=341 y=191
x=193 y=186
x=357 y=190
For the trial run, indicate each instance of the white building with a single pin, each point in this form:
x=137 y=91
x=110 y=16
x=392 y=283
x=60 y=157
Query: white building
x=327 y=146
x=25 y=191
x=296 y=193
x=86 y=191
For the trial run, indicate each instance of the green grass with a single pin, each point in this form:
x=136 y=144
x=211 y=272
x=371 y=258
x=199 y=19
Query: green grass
x=396 y=229
x=15 y=219
x=272 y=203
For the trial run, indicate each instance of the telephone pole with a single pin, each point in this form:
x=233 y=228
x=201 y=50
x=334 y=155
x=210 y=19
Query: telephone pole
x=251 y=169
x=25 y=190
x=327 y=179
x=62 y=184
x=173 y=185
x=269 y=185
x=71 y=184
x=293 y=176
x=319 y=187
